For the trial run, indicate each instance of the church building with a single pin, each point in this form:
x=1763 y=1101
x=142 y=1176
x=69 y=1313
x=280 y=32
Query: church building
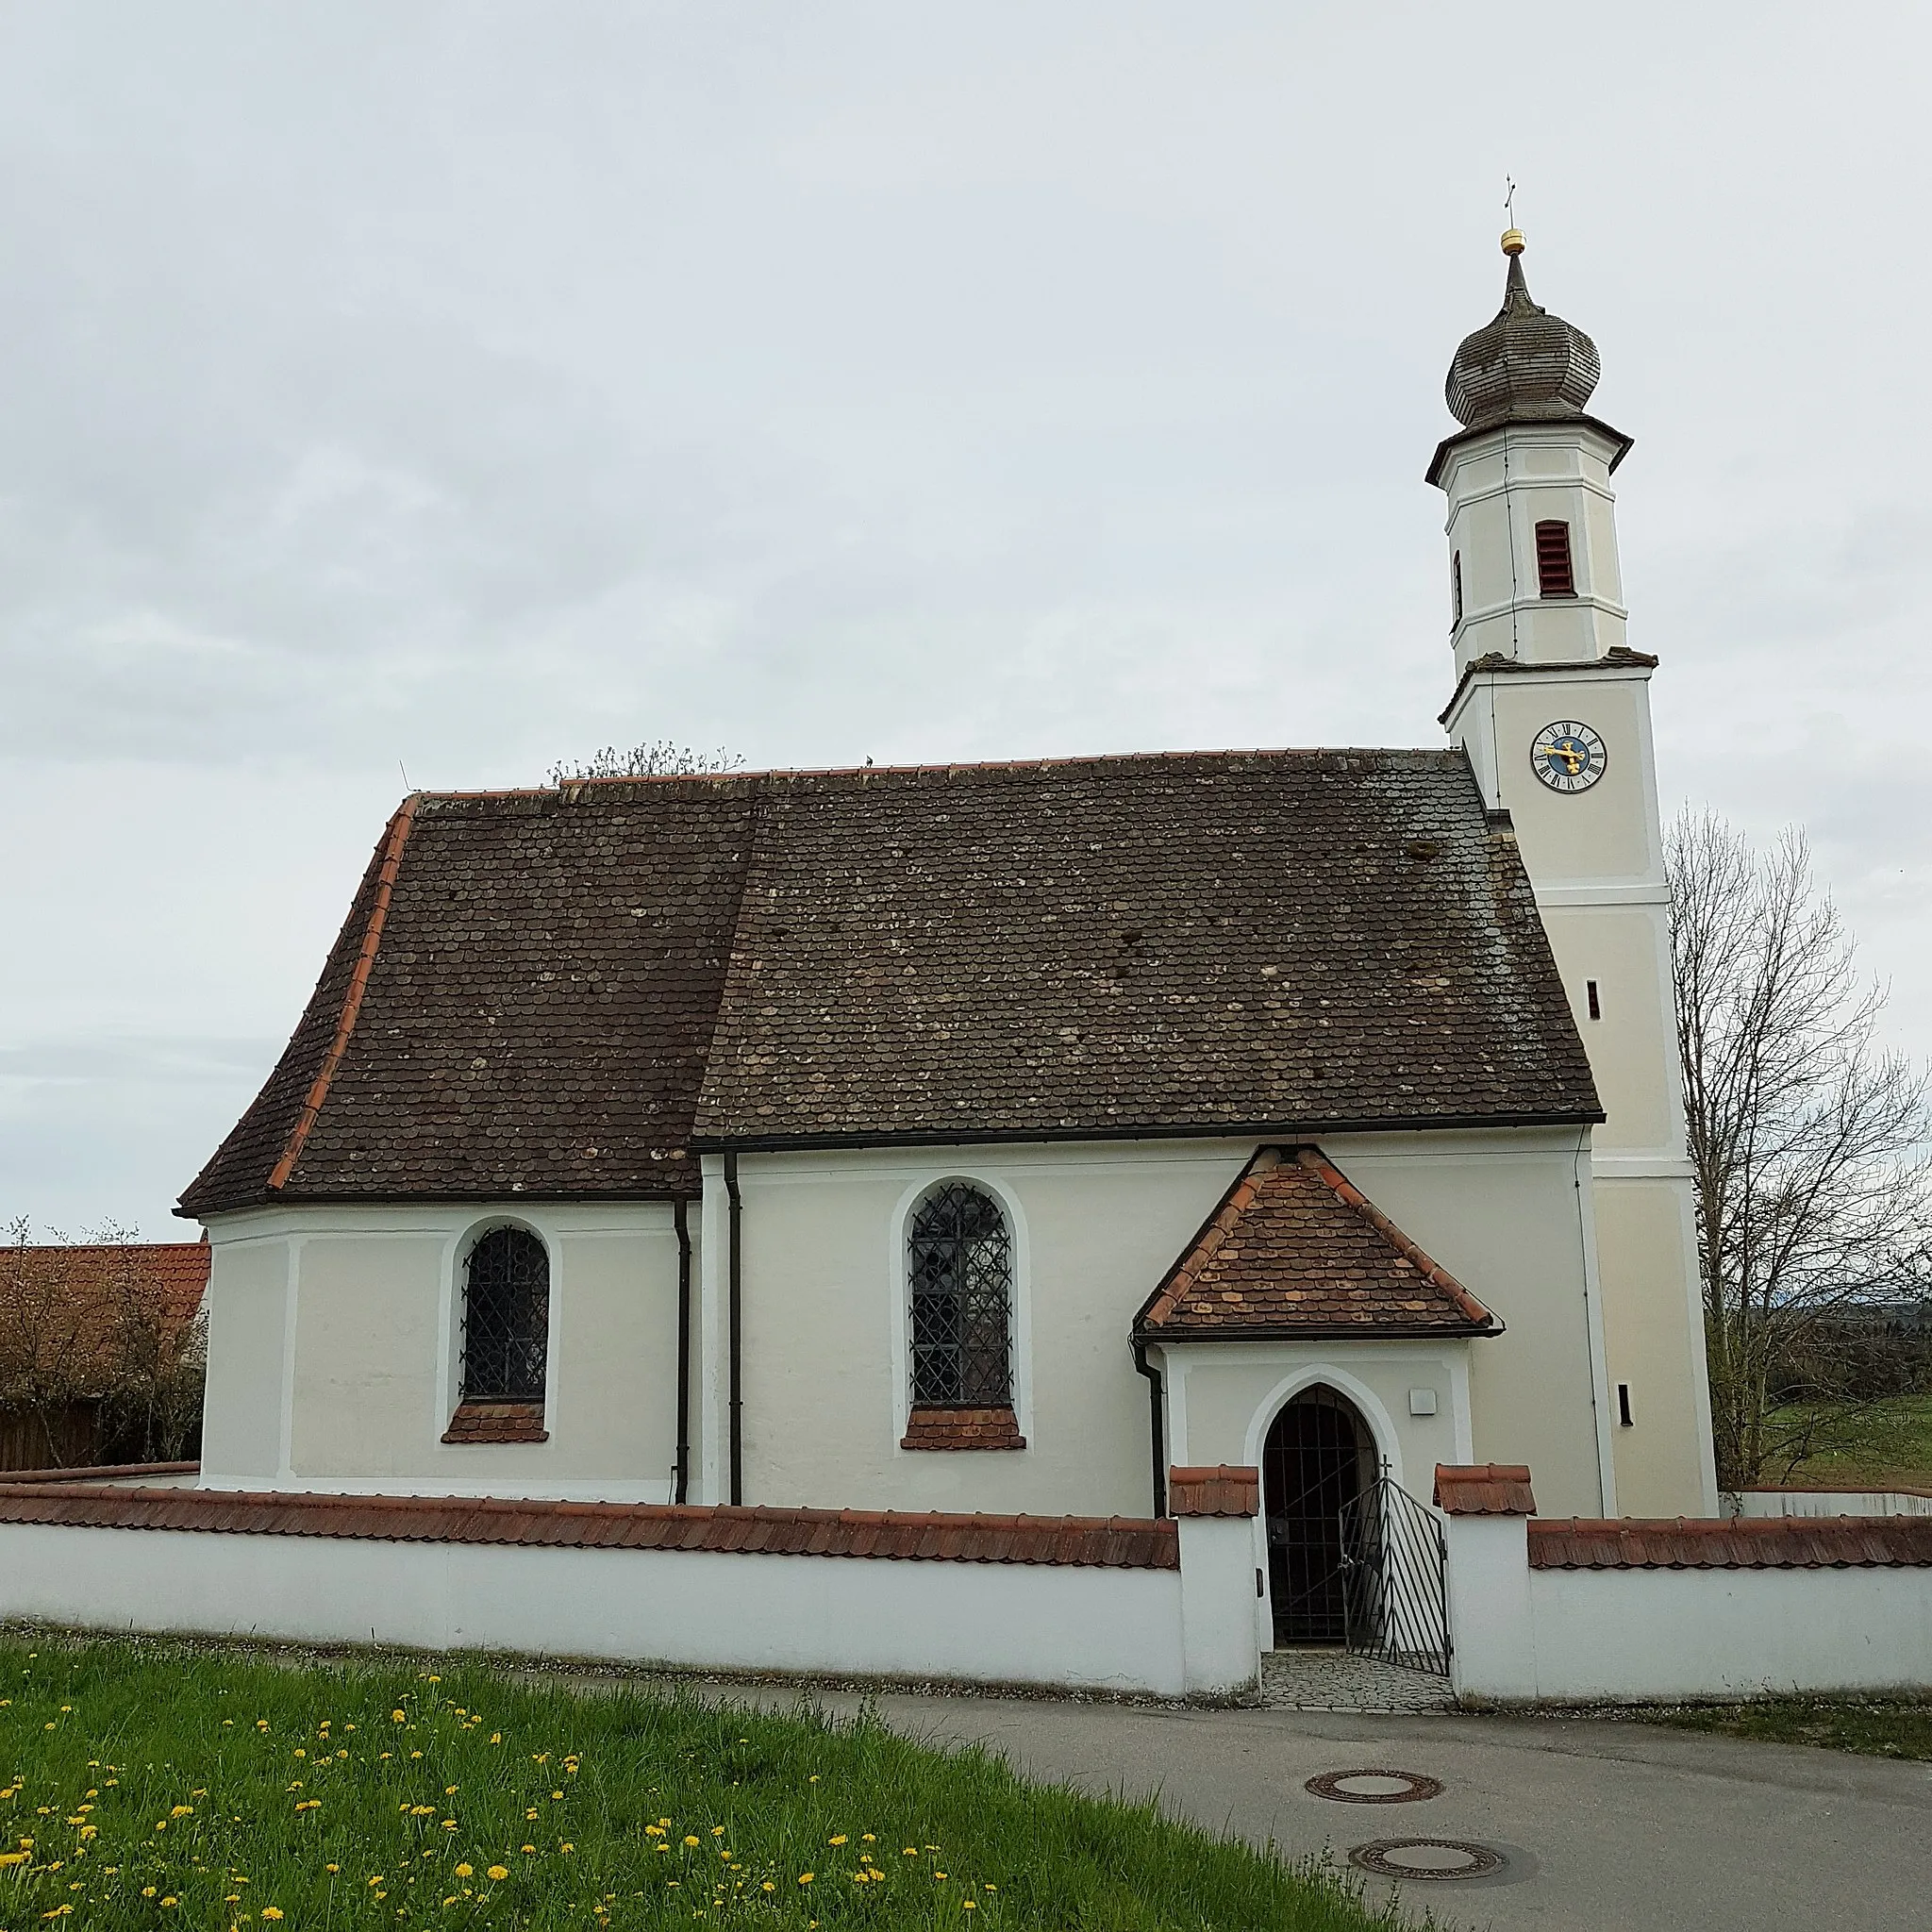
x=996 y=1137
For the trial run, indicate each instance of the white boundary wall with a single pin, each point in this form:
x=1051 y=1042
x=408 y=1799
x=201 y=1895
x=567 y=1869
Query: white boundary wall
x=1631 y=1635
x=1073 y=1628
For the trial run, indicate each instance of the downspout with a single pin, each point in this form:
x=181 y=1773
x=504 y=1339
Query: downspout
x=680 y=1476
x=734 y=1397
x=1156 y=1394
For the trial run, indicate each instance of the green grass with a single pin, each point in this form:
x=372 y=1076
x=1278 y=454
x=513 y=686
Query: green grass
x=1877 y=1727
x=150 y=1786
x=1887 y=1446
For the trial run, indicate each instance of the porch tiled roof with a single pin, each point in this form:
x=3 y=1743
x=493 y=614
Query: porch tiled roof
x=1295 y=1249
x=564 y=992
x=1080 y=1541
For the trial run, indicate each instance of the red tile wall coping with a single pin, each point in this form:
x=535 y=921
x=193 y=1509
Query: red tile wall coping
x=99 y=1471
x=1759 y=1542
x=1225 y=1490
x=1484 y=1488
x=1118 y=1542
x=962 y=1428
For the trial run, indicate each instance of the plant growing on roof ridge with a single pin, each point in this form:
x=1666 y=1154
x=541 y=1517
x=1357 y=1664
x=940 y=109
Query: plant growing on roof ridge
x=1809 y=1144
x=661 y=758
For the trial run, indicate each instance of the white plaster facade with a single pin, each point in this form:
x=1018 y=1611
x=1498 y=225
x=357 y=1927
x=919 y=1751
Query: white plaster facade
x=334 y=1334
x=1596 y=861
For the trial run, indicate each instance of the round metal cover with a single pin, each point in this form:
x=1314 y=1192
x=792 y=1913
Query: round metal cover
x=1426 y=1857
x=1374 y=1785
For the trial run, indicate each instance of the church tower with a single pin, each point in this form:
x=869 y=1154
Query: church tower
x=1552 y=707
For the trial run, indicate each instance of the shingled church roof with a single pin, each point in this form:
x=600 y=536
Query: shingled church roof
x=569 y=992
x=1297 y=1250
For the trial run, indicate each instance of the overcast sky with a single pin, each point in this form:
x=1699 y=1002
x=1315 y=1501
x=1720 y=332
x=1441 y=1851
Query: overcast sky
x=454 y=389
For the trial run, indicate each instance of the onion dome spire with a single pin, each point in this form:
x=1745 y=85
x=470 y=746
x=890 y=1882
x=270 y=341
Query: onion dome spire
x=1526 y=366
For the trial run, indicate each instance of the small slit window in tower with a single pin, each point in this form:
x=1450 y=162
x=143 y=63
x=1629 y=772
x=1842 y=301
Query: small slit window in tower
x=1596 y=1006
x=1626 y=1418
x=1455 y=584
x=1554 y=575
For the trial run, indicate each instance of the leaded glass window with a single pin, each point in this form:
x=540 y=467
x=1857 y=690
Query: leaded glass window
x=960 y=1259
x=506 y=1318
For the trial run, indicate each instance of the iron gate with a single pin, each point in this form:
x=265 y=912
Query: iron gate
x=1395 y=1578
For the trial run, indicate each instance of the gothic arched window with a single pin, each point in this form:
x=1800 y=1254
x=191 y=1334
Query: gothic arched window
x=960 y=1262
x=506 y=1318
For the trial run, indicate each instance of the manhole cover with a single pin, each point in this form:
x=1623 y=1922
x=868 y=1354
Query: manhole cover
x=1426 y=1857
x=1374 y=1786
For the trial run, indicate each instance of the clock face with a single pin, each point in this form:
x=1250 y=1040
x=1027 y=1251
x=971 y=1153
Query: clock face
x=1568 y=756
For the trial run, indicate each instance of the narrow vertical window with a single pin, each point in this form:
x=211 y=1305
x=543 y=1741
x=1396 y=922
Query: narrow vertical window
x=1456 y=585
x=1554 y=575
x=506 y=1318
x=506 y=1339
x=1625 y=1419
x=1596 y=1006
x=959 y=1271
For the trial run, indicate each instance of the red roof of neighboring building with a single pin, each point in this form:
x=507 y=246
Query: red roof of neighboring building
x=70 y=1303
x=1295 y=1249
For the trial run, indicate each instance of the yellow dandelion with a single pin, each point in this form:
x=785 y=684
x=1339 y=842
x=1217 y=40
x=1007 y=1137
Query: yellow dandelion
x=396 y=1717
x=331 y=1868
x=839 y=1841
x=529 y=1848
x=967 y=1905
x=693 y=1840
x=806 y=1877
x=499 y=1873
x=465 y=1871
x=271 y=1911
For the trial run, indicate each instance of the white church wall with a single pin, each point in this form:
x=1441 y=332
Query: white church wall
x=1222 y=1396
x=825 y=1350
x=1501 y=1212
x=349 y=1383
x=248 y=1296
x=1067 y=1626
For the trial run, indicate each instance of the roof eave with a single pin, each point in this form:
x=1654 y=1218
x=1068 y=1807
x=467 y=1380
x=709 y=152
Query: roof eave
x=1623 y=444
x=1323 y=1331
x=1209 y=1130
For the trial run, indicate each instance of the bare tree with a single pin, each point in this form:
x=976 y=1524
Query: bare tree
x=1808 y=1141
x=661 y=759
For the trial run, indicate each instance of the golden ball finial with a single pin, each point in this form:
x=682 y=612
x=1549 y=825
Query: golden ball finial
x=1513 y=243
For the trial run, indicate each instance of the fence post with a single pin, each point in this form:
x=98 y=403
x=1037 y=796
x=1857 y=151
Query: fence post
x=1221 y=1643
x=1491 y=1629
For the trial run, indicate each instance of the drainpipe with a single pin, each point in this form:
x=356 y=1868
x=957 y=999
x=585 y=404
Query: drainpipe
x=680 y=1478
x=734 y=1401
x=1154 y=1395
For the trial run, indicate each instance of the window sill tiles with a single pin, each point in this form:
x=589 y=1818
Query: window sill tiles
x=497 y=1422
x=962 y=1428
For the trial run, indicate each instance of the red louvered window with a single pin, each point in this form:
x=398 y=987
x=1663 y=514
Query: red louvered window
x=1554 y=575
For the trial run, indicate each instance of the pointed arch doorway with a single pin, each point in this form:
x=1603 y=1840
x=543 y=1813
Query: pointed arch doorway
x=1318 y=1455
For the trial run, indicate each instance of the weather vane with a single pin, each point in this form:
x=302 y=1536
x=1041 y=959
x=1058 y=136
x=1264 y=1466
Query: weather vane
x=1509 y=200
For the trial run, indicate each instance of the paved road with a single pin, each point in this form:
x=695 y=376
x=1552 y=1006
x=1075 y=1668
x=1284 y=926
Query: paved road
x=1607 y=1825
